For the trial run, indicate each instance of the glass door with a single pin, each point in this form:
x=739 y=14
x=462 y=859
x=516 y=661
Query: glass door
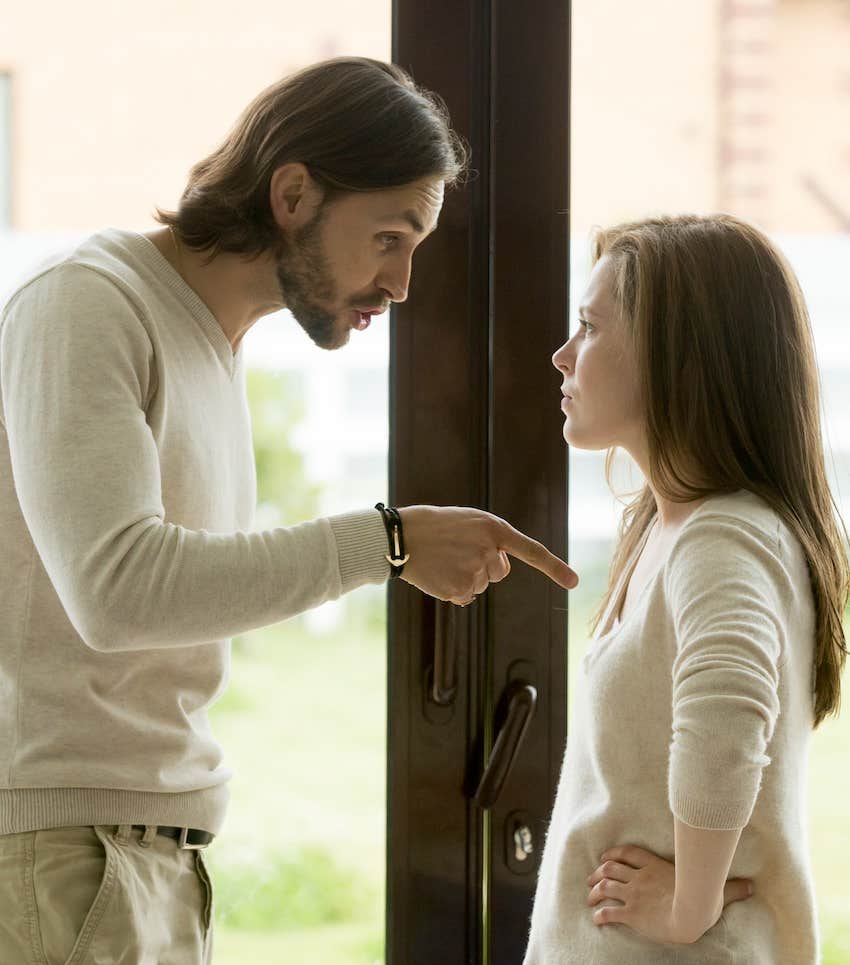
x=741 y=107
x=99 y=139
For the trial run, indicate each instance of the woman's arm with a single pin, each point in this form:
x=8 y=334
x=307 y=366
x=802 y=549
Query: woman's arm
x=728 y=589
x=669 y=901
x=703 y=858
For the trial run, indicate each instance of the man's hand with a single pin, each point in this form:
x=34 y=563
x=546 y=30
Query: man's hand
x=456 y=553
x=644 y=886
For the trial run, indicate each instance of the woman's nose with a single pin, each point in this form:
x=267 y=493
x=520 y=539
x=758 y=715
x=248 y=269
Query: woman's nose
x=562 y=358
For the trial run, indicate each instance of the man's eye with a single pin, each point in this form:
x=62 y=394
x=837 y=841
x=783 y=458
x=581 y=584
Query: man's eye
x=389 y=241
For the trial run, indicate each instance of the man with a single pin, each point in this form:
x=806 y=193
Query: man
x=127 y=489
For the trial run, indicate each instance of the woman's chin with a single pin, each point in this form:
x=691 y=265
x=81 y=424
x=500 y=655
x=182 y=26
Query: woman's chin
x=579 y=440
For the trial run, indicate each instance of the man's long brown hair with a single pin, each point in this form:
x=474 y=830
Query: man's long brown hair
x=357 y=124
x=731 y=396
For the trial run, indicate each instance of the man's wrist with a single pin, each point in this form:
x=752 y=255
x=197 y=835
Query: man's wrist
x=397 y=556
x=361 y=541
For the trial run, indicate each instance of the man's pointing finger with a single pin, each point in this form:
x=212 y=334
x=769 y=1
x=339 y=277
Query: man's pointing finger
x=535 y=554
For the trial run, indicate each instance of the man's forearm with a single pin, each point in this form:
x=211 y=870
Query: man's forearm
x=703 y=859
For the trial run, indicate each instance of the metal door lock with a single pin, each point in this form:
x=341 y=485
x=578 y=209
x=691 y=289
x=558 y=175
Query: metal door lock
x=523 y=843
x=520 y=829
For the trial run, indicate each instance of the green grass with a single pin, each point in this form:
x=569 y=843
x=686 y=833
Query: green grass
x=836 y=938
x=352 y=943
x=298 y=872
x=303 y=889
x=299 y=869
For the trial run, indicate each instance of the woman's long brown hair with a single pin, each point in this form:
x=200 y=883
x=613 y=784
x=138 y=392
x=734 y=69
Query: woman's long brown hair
x=731 y=396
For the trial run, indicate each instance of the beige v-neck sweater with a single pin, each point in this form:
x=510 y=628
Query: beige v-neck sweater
x=127 y=559
x=698 y=704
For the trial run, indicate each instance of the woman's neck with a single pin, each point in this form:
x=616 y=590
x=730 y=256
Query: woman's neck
x=671 y=514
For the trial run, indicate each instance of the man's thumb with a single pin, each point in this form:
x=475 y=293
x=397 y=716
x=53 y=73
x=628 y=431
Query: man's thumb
x=737 y=889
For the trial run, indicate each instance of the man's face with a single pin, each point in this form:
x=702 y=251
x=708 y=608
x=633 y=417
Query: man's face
x=354 y=258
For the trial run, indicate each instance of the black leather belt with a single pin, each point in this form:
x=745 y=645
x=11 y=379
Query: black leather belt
x=189 y=839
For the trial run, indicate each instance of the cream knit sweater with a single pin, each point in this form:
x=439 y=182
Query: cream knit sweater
x=126 y=554
x=698 y=704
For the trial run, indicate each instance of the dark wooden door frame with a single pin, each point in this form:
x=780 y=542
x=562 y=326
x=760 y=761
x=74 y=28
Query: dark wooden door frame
x=475 y=420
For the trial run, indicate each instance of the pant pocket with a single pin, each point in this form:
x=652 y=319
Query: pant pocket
x=209 y=909
x=206 y=881
x=73 y=878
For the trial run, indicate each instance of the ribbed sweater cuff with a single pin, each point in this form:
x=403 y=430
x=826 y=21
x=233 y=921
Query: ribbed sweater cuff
x=710 y=815
x=361 y=540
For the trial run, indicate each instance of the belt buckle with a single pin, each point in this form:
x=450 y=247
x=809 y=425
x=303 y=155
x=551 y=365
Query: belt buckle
x=184 y=845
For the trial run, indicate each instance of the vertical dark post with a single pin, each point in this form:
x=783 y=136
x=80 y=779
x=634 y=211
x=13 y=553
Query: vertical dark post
x=475 y=420
x=438 y=454
x=528 y=462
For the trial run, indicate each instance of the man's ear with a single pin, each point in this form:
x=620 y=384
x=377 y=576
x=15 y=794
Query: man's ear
x=294 y=196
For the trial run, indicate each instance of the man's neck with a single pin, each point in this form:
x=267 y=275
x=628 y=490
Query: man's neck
x=237 y=291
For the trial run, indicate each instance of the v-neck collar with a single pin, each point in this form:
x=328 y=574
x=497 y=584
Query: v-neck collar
x=193 y=303
x=611 y=621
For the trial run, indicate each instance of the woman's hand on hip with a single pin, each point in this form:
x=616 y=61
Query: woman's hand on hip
x=644 y=887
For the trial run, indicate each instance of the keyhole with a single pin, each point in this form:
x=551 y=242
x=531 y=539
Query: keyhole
x=524 y=846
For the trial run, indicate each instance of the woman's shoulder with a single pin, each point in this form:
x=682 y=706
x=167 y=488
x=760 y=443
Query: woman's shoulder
x=742 y=508
x=739 y=527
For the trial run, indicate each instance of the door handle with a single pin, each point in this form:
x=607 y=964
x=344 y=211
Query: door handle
x=522 y=701
x=444 y=680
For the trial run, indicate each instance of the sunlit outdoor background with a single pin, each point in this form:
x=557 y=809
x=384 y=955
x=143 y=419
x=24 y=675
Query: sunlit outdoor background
x=699 y=106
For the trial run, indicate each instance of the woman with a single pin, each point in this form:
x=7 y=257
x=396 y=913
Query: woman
x=719 y=642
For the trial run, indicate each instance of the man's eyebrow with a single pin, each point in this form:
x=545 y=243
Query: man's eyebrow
x=412 y=219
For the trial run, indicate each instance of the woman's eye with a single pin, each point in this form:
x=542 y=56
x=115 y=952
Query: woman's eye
x=588 y=328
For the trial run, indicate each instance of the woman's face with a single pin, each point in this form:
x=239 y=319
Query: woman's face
x=601 y=403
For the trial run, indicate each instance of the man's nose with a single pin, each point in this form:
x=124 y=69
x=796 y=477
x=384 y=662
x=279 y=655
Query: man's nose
x=396 y=281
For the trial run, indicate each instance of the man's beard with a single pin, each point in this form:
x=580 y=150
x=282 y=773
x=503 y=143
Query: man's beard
x=306 y=284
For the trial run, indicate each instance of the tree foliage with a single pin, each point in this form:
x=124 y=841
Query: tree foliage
x=285 y=494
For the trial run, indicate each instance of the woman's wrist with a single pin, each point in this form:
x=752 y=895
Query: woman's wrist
x=703 y=857
x=690 y=920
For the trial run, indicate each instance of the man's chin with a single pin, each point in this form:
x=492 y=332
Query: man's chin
x=327 y=338
x=340 y=341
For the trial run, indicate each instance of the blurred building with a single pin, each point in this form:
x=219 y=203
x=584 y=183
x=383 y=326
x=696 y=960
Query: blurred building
x=736 y=105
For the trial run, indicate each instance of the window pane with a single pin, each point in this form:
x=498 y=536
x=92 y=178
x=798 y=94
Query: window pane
x=741 y=107
x=5 y=150
x=103 y=139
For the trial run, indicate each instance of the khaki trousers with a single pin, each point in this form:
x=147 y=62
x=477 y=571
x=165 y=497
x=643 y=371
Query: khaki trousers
x=102 y=896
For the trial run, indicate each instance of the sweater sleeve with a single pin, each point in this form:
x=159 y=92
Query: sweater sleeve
x=726 y=585
x=76 y=367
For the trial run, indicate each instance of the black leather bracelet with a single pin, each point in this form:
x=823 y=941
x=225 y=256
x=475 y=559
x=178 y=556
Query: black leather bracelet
x=395 y=536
